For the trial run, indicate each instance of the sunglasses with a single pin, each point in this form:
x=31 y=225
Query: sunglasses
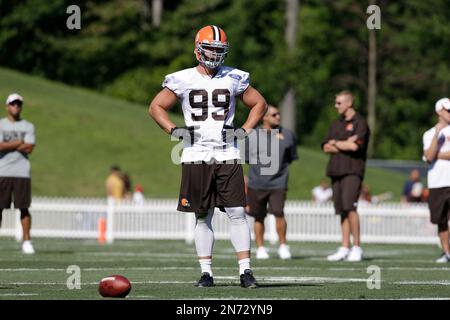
x=16 y=103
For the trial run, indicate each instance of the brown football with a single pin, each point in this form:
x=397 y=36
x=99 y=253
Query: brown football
x=115 y=286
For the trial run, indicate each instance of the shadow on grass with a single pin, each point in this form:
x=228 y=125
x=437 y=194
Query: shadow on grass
x=56 y=251
x=299 y=258
x=280 y=285
x=270 y=285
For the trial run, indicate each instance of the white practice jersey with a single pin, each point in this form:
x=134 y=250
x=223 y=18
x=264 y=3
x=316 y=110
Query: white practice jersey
x=209 y=104
x=439 y=170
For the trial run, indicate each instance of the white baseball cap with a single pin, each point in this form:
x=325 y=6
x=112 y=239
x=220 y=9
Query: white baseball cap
x=443 y=103
x=13 y=97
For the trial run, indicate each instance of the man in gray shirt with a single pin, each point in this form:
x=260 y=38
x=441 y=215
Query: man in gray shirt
x=17 y=141
x=269 y=185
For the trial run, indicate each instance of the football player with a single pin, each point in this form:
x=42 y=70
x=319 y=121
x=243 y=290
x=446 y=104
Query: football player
x=212 y=175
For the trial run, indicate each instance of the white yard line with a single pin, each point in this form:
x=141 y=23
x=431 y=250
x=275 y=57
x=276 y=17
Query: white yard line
x=374 y=260
x=426 y=282
x=30 y=269
x=423 y=298
x=311 y=279
x=18 y=294
x=363 y=269
x=225 y=279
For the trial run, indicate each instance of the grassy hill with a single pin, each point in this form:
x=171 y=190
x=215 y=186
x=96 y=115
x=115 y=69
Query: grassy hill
x=81 y=133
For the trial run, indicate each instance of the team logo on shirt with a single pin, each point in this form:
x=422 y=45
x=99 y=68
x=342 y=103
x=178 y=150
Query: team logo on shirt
x=13 y=135
x=235 y=76
x=349 y=127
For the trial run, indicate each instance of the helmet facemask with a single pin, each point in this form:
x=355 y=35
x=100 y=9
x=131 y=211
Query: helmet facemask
x=212 y=55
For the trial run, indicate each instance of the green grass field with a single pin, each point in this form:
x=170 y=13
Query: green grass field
x=81 y=133
x=168 y=270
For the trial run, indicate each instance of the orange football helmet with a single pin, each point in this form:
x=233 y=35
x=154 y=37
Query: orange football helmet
x=211 y=46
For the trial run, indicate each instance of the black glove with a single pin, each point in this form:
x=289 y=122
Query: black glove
x=186 y=133
x=230 y=133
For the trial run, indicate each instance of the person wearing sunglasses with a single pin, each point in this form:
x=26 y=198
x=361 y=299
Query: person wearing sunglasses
x=17 y=140
x=267 y=192
x=346 y=143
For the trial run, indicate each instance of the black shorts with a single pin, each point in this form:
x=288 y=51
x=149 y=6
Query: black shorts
x=205 y=186
x=439 y=203
x=17 y=190
x=258 y=200
x=346 y=191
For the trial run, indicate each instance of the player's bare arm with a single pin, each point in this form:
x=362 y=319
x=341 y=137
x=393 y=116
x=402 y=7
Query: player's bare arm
x=257 y=105
x=158 y=108
x=26 y=148
x=11 y=145
x=432 y=152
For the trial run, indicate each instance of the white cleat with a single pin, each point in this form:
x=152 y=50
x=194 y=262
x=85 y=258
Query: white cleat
x=444 y=258
x=284 y=252
x=27 y=247
x=355 y=255
x=341 y=254
x=262 y=253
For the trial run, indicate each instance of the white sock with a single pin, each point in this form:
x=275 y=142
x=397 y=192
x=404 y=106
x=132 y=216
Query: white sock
x=243 y=265
x=239 y=229
x=205 y=265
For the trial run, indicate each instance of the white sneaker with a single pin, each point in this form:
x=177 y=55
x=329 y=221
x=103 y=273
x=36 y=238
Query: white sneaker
x=355 y=255
x=444 y=258
x=284 y=252
x=262 y=253
x=340 y=254
x=27 y=247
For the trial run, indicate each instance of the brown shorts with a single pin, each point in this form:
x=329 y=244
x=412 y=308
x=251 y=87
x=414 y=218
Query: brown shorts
x=439 y=203
x=17 y=190
x=205 y=186
x=346 y=191
x=258 y=199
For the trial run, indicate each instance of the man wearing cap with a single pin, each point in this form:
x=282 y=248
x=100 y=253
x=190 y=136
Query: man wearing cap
x=436 y=151
x=17 y=141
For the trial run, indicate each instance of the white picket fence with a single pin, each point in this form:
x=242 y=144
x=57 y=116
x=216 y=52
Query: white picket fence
x=158 y=219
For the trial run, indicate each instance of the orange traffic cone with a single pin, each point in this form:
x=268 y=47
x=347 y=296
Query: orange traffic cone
x=101 y=230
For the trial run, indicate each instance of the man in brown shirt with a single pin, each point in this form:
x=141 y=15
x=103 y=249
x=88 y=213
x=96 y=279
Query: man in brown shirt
x=347 y=142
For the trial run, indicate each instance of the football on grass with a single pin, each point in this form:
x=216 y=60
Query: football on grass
x=115 y=286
